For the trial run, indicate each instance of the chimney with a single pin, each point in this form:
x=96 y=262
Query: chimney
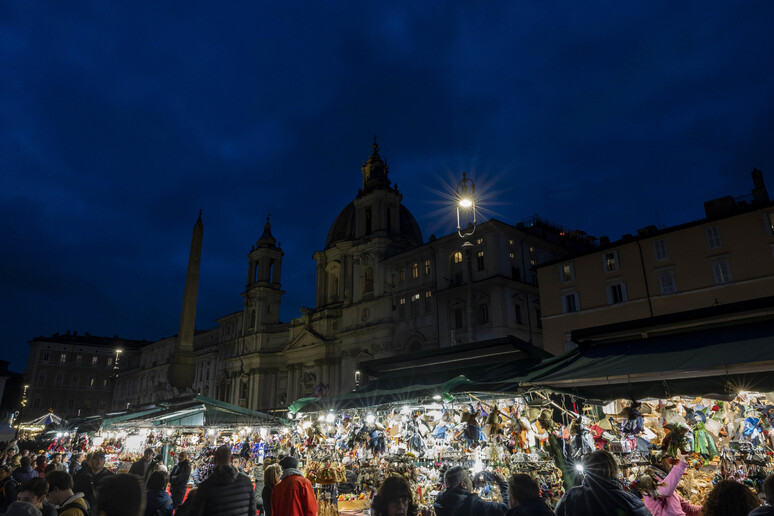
x=760 y=194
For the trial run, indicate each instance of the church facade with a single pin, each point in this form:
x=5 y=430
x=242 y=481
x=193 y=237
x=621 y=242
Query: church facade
x=381 y=291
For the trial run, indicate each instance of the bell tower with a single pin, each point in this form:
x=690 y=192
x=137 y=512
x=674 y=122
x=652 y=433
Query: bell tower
x=263 y=292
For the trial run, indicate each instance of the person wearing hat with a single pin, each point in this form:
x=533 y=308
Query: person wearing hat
x=225 y=492
x=293 y=495
x=87 y=481
x=7 y=488
x=22 y=509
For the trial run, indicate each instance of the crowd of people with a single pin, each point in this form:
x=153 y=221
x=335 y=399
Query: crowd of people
x=85 y=487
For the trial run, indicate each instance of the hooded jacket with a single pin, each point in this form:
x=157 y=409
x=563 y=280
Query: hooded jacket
x=225 y=492
x=293 y=495
x=598 y=496
x=461 y=502
x=668 y=502
x=158 y=500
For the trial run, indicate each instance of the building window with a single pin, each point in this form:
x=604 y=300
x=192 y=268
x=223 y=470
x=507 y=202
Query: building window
x=666 y=282
x=458 y=320
x=74 y=381
x=532 y=257
x=713 y=237
x=393 y=279
x=79 y=358
x=610 y=261
x=364 y=314
x=46 y=355
x=483 y=314
x=41 y=379
x=722 y=271
x=252 y=319
x=105 y=382
x=110 y=361
x=59 y=380
x=457 y=257
x=510 y=242
x=660 y=248
x=616 y=293
x=402 y=308
x=368 y=282
x=403 y=274
x=414 y=305
x=94 y=360
x=70 y=403
x=63 y=358
x=512 y=255
x=92 y=381
x=517 y=313
x=427 y=267
x=570 y=303
x=428 y=301
x=358 y=377
x=480 y=260
x=415 y=271
x=566 y=272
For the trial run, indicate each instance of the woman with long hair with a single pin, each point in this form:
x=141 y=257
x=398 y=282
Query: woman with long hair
x=395 y=498
x=271 y=476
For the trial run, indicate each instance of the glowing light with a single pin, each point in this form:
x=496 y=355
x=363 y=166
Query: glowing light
x=307 y=424
x=579 y=468
x=330 y=418
x=405 y=410
x=370 y=418
x=290 y=415
x=466 y=203
x=437 y=397
x=478 y=466
x=210 y=432
x=321 y=418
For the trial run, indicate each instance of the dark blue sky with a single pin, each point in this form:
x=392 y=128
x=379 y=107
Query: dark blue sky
x=120 y=120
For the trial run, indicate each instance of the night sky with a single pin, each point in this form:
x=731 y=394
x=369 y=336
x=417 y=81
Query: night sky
x=120 y=120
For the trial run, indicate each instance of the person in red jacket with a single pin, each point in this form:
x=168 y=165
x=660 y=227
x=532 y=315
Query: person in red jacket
x=293 y=495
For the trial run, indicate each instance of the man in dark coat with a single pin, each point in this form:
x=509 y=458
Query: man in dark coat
x=178 y=479
x=141 y=468
x=459 y=500
x=226 y=491
x=600 y=493
x=88 y=480
x=24 y=472
x=7 y=488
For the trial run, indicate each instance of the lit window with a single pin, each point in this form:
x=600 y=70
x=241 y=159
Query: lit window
x=479 y=240
x=722 y=271
x=92 y=381
x=610 y=261
x=458 y=257
x=510 y=241
x=616 y=293
x=660 y=248
x=666 y=282
x=415 y=271
x=63 y=358
x=110 y=361
x=427 y=267
x=403 y=274
x=570 y=303
x=415 y=305
x=713 y=237
x=402 y=308
x=94 y=360
x=428 y=301
x=566 y=272
x=480 y=260
x=512 y=256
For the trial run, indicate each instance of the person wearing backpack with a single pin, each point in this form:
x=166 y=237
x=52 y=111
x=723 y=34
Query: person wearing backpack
x=60 y=492
x=7 y=488
x=159 y=503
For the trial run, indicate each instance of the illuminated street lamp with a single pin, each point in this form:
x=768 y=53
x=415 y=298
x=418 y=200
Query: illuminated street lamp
x=466 y=203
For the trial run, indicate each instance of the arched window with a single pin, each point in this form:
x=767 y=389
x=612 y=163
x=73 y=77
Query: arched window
x=368 y=280
x=457 y=257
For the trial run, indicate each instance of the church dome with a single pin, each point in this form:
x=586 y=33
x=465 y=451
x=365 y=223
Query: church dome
x=343 y=228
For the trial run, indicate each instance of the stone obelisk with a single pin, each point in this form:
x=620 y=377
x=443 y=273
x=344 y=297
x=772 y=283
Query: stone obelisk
x=182 y=365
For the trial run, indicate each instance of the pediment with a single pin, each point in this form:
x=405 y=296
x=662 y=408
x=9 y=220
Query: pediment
x=305 y=338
